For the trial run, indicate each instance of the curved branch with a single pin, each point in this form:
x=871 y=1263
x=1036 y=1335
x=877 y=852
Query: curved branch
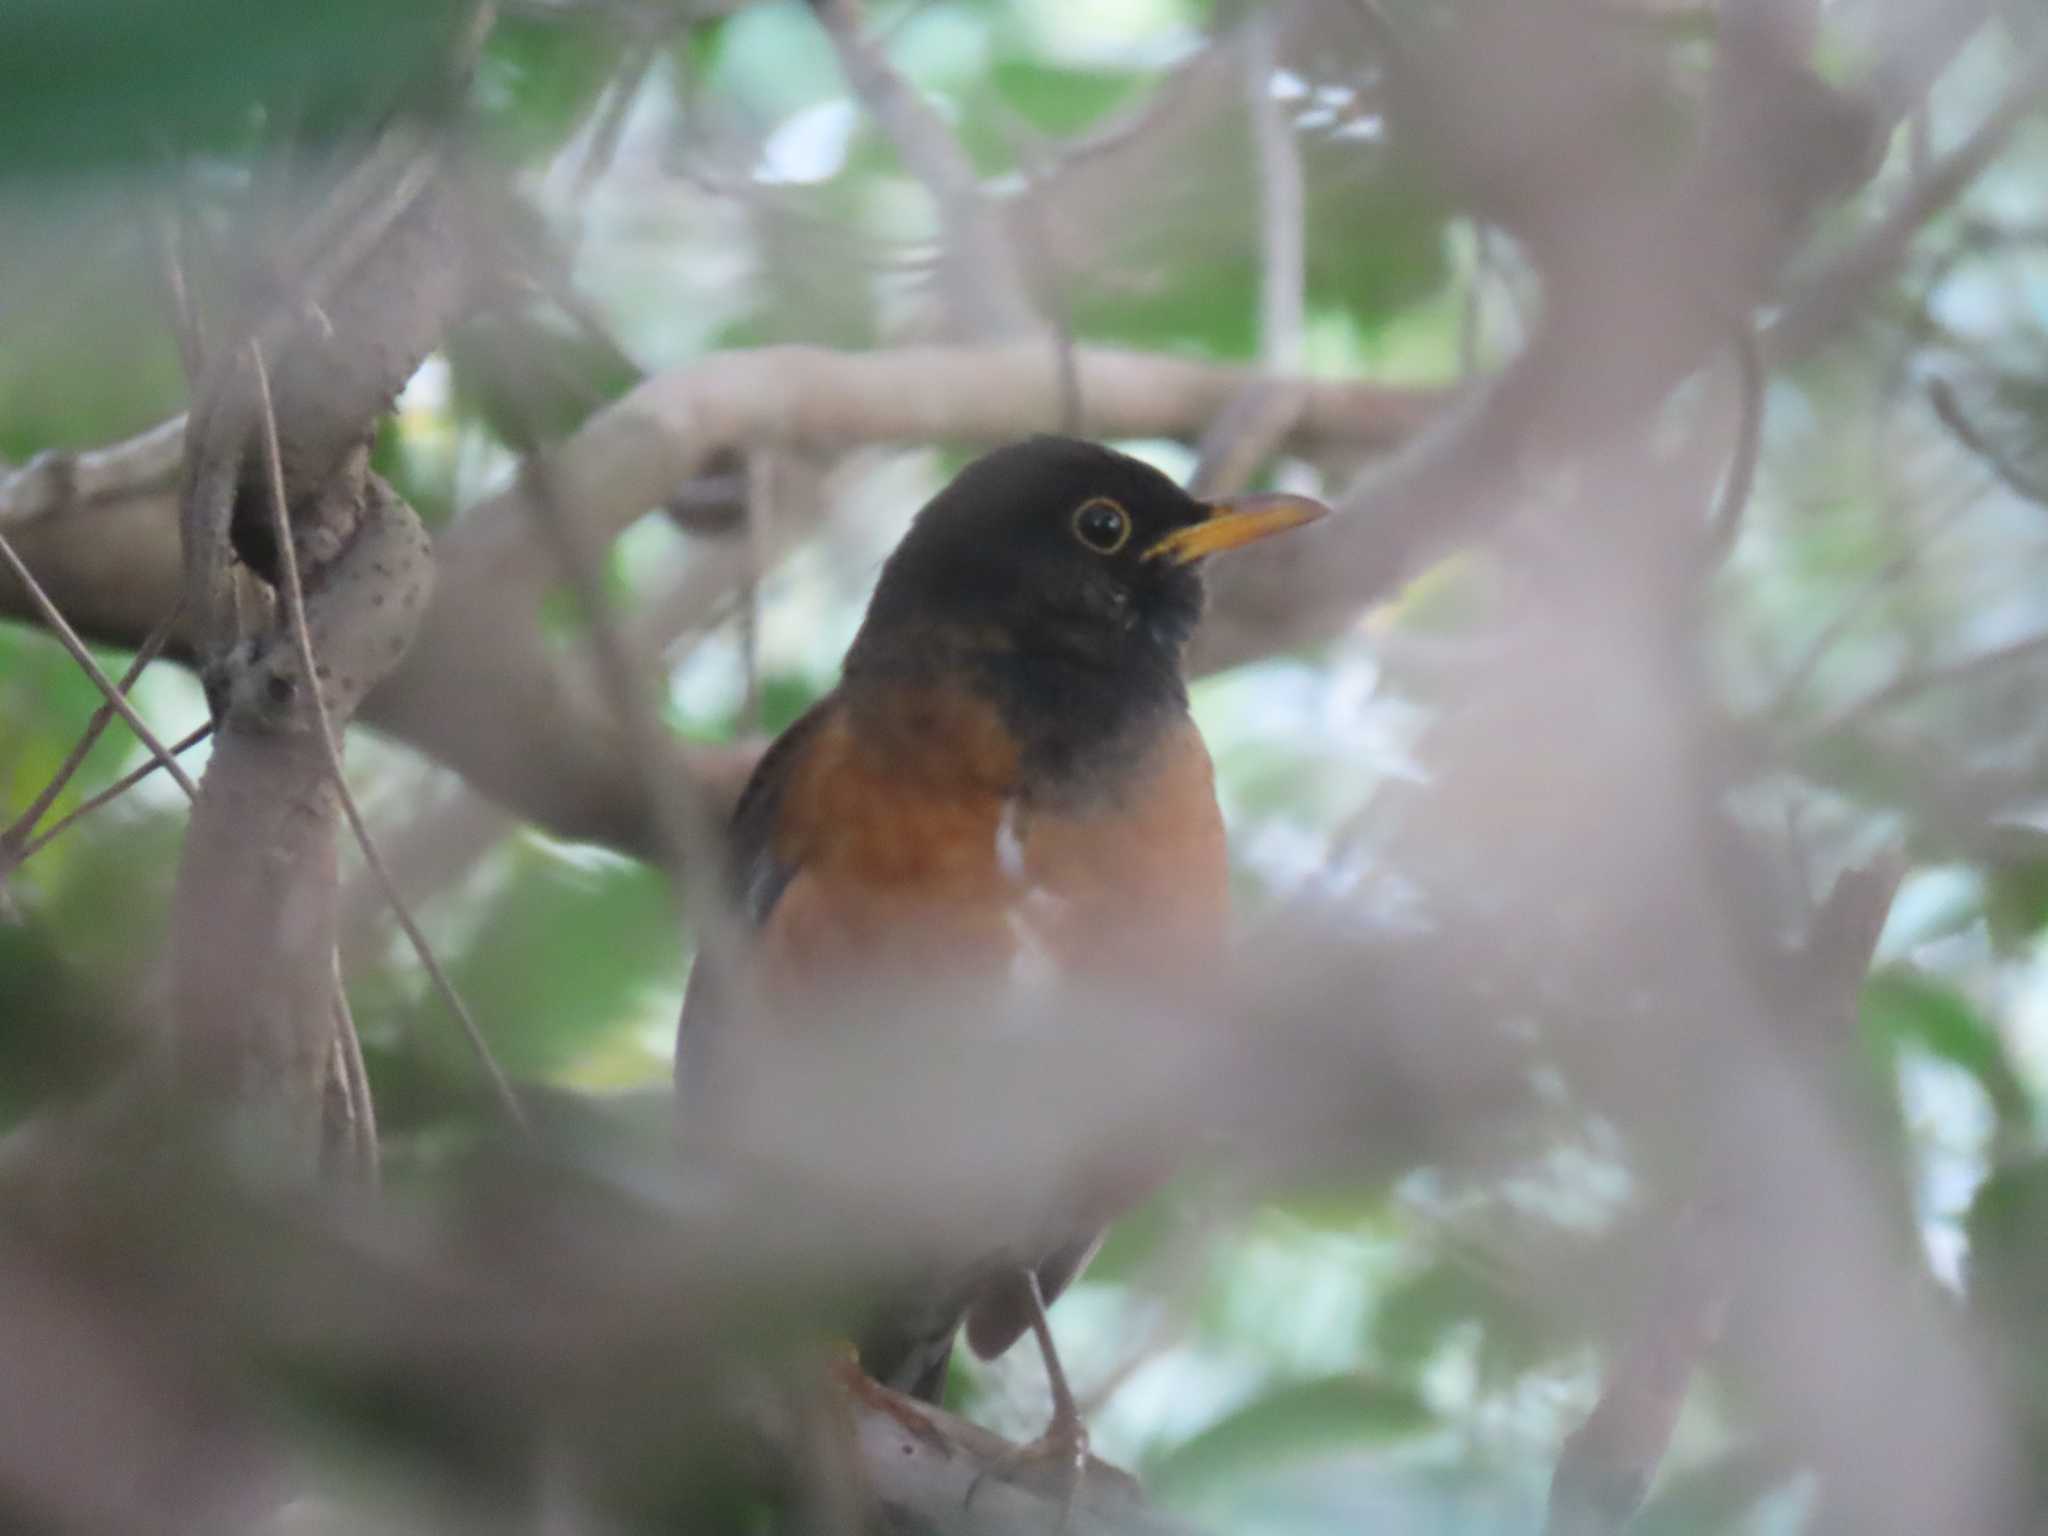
x=51 y=483
x=481 y=691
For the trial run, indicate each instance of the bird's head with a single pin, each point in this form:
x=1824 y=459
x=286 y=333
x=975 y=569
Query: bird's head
x=1066 y=547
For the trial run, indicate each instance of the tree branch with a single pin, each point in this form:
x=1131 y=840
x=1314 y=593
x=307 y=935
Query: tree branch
x=1639 y=289
x=1837 y=291
x=480 y=690
x=481 y=693
x=50 y=483
x=294 y=618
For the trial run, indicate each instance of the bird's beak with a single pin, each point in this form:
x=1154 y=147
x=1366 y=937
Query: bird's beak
x=1239 y=520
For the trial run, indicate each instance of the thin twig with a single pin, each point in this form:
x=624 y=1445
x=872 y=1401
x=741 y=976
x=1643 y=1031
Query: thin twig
x=1282 y=207
x=680 y=817
x=295 y=620
x=681 y=823
x=1742 y=458
x=1472 y=311
x=760 y=513
x=1251 y=428
x=985 y=281
x=1177 y=1268
x=1245 y=434
x=355 y=1083
x=1835 y=292
x=107 y=796
x=606 y=132
x=1801 y=672
x=1911 y=685
x=429 y=851
x=68 y=638
x=1942 y=396
x=25 y=824
x=168 y=230
x=373 y=197
x=1038 y=168
x=1610 y=1461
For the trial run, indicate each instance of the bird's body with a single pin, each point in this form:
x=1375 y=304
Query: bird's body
x=891 y=857
x=1006 y=779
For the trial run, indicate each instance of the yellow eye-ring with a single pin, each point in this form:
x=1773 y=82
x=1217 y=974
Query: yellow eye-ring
x=1102 y=525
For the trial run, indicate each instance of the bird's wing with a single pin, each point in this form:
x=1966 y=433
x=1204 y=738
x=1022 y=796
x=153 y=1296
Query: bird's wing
x=999 y=1316
x=756 y=873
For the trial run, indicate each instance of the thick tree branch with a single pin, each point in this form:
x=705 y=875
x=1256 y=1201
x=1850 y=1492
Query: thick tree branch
x=378 y=269
x=293 y=604
x=480 y=690
x=51 y=483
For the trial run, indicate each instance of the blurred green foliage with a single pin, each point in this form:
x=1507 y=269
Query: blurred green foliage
x=93 y=86
x=1296 y=1420
x=573 y=961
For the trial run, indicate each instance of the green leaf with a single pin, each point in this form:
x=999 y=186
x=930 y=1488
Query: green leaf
x=538 y=77
x=1293 y=1422
x=2007 y=1230
x=47 y=702
x=1416 y=1317
x=529 y=377
x=561 y=955
x=110 y=887
x=80 y=291
x=430 y=495
x=1406 y=259
x=1182 y=273
x=1342 y=1203
x=1063 y=100
x=2016 y=886
x=85 y=83
x=784 y=696
x=1903 y=1005
x=772 y=60
x=1135 y=1239
x=55 y=1037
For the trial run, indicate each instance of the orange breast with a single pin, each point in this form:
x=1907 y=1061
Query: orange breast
x=918 y=853
x=1135 y=888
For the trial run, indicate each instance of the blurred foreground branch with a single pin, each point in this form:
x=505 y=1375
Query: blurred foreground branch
x=583 y=1324
x=1610 y=1462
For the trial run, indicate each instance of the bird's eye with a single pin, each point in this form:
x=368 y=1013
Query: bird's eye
x=1102 y=525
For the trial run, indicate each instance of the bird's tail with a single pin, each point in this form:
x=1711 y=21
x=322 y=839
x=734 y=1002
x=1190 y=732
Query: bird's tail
x=913 y=1362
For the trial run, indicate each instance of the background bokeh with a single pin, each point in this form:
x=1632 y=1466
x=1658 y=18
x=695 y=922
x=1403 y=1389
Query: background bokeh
x=1404 y=1351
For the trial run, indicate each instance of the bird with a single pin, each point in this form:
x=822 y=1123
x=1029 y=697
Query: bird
x=1007 y=762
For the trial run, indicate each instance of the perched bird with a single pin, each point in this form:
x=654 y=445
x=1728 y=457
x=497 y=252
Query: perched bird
x=1008 y=762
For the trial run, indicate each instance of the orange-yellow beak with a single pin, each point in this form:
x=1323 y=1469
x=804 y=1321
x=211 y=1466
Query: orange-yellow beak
x=1240 y=520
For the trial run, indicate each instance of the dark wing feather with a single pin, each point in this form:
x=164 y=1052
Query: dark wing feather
x=907 y=1348
x=754 y=879
x=1000 y=1317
